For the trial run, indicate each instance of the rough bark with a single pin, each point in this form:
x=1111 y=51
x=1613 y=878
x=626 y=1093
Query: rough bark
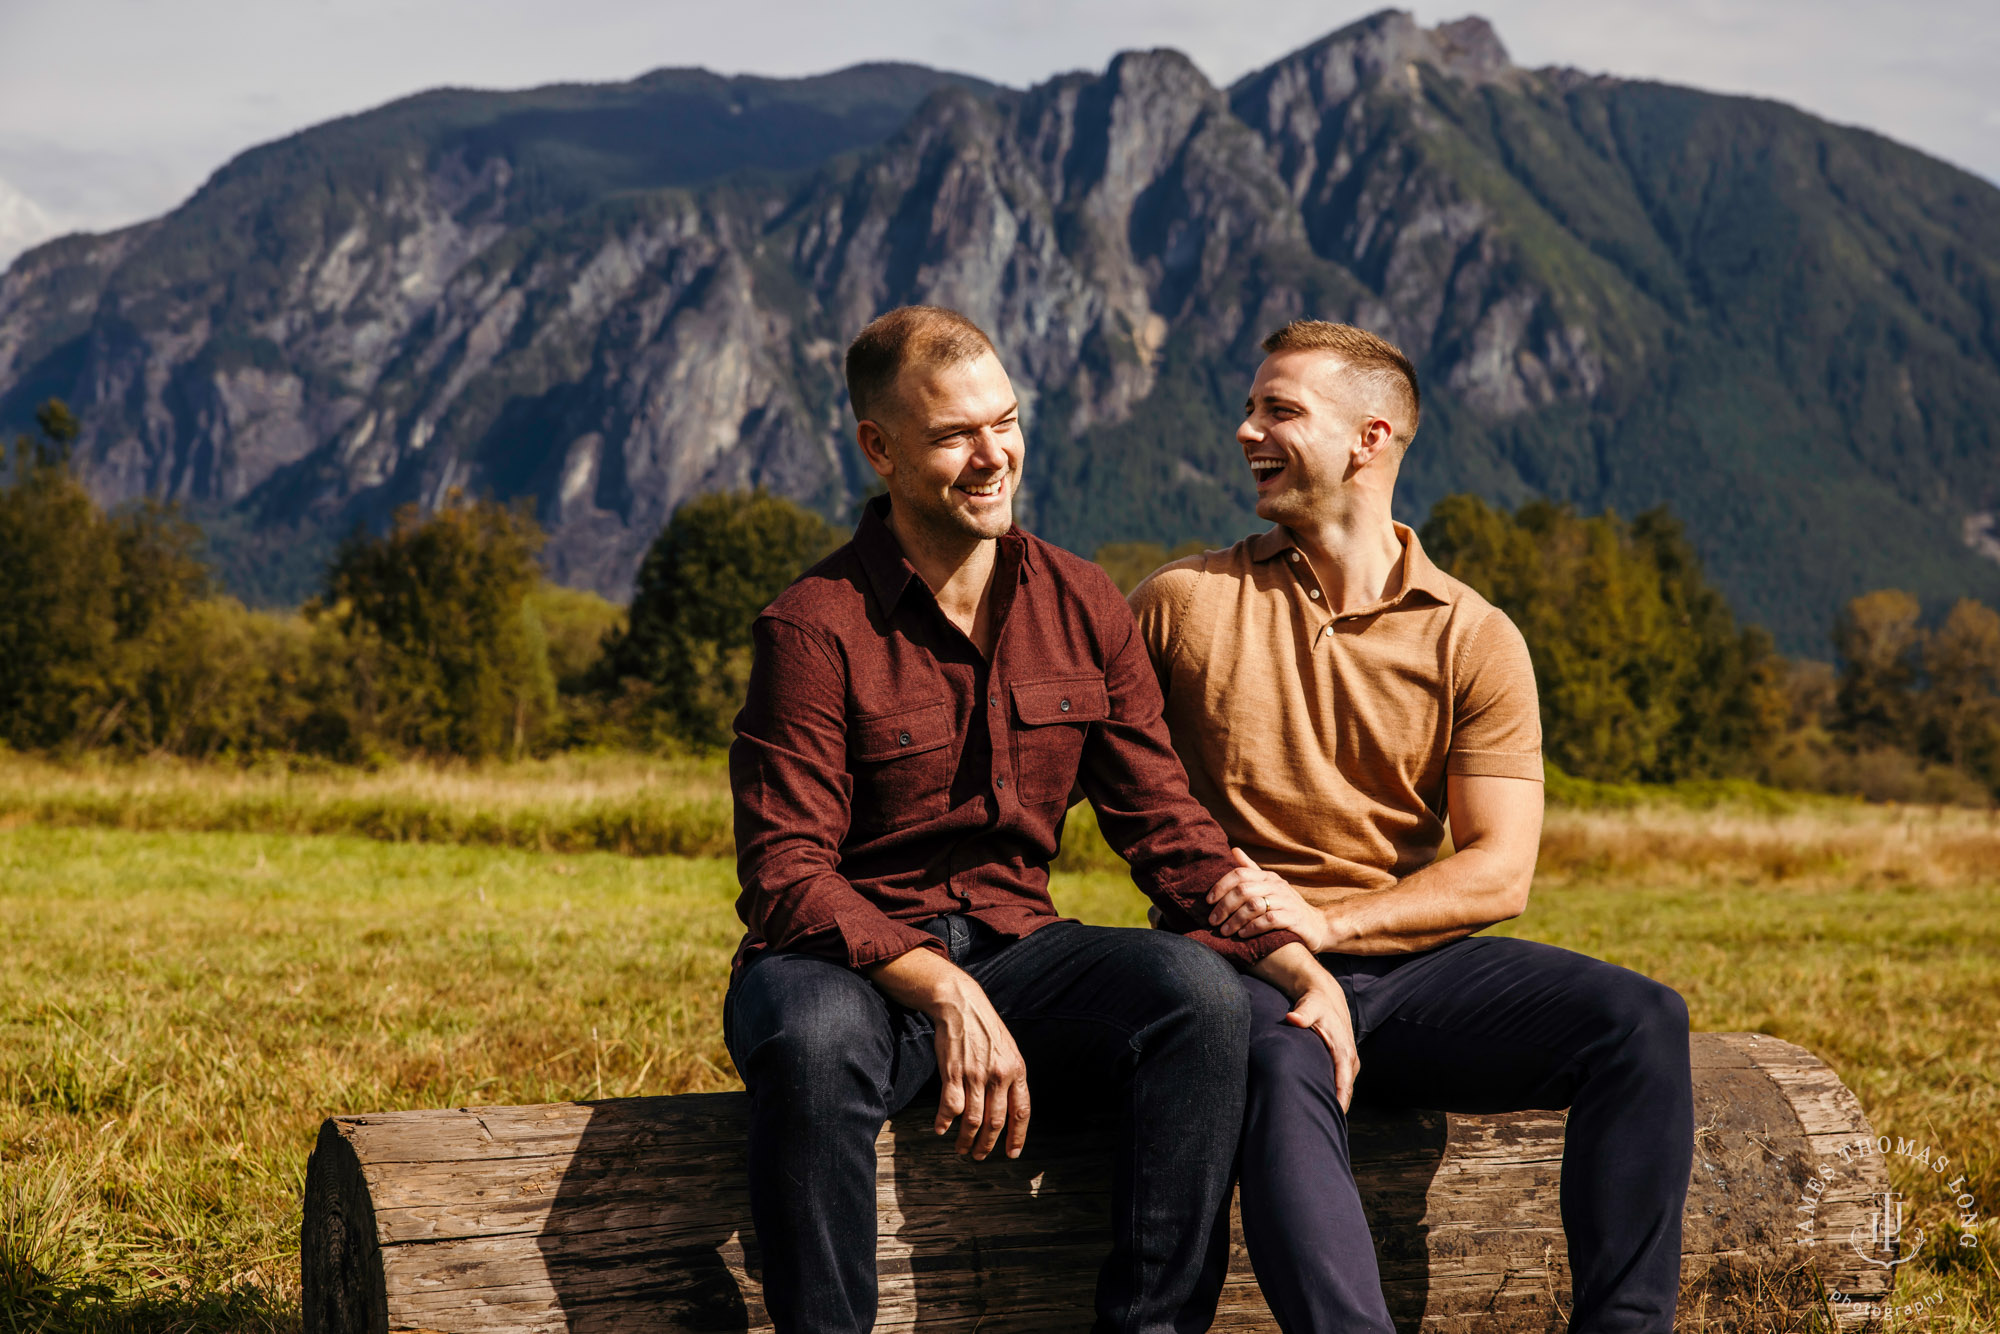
x=631 y=1215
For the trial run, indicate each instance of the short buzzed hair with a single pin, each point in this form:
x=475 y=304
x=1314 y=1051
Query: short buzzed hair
x=1376 y=359
x=923 y=335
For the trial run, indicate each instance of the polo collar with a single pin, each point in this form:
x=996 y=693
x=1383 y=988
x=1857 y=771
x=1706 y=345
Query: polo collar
x=1417 y=573
x=889 y=571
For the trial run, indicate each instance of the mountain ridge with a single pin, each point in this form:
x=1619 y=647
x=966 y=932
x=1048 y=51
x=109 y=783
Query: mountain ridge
x=1618 y=293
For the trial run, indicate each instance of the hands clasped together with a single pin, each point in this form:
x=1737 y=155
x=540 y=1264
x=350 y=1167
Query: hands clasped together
x=985 y=1079
x=1251 y=901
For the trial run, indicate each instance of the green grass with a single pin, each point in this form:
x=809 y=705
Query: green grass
x=179 y=1010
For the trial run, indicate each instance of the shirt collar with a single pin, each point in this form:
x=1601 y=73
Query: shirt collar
x=889 y=571
x=1415 y=572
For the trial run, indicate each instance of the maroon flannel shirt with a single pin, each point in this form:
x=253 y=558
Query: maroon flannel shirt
x=886 y=773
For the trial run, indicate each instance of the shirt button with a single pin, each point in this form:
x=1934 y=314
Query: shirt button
x=902 y=738
x=1065 y=706
x=1313 y=593
x=1295 y=557
x=1001 y=781
x=992 y=701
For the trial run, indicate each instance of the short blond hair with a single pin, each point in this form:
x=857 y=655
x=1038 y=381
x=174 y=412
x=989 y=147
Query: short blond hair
x=1377 y=360
x=924 y=335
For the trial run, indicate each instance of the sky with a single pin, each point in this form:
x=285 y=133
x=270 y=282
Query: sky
x=112 y=111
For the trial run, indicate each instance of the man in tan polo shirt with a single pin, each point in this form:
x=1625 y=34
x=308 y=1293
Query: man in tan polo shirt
x=1337 y=699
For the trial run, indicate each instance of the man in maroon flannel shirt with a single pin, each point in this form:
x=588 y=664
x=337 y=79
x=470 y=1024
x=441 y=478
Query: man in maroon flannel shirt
x=921 y=705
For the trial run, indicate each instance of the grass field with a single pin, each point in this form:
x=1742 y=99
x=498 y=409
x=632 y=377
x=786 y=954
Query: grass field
x=612 y=803
x=183 y=996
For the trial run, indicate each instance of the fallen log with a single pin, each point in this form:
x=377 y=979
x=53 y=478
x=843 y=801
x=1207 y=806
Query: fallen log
x=631 y=1215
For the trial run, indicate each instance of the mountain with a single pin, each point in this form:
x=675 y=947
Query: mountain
x=611 y=298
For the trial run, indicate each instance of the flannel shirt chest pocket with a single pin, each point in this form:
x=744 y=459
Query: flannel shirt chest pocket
x=902 y=767
x=1052 y=718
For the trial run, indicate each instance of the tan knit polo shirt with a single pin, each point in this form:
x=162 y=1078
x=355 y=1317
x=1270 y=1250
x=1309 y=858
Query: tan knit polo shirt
x=1321 y=742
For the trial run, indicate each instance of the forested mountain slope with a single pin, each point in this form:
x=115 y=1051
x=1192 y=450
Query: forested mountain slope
x=612 y=298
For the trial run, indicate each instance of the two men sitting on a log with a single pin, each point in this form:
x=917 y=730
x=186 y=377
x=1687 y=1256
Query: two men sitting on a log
x=1274 y=743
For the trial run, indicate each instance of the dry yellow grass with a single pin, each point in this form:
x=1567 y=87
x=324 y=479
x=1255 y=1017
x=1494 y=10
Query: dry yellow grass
x=1824 y=843
x=633 y=804
x=179 y=1009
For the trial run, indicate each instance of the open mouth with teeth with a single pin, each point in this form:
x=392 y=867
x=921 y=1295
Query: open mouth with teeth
x=1266 y=469
x=984 y=490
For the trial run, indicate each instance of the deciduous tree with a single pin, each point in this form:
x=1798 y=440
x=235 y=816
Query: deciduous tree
x=445 y=655
x=719 y=561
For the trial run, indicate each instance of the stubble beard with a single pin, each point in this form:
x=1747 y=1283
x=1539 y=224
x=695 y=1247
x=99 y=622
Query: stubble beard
x=939 y=516
x=1288 y=507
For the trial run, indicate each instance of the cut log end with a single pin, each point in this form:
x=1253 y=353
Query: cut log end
x=340 y=1252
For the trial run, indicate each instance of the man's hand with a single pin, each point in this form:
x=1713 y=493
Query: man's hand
x=985 y=1080
x=1318 y=1003
x=1250 y=901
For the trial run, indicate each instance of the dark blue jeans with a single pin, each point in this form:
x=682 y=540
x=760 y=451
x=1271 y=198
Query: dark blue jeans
x=1483 y=1024
x=1143 y=1026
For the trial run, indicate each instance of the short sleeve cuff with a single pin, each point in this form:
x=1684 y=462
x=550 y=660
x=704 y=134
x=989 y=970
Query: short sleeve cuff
x=1496 y=764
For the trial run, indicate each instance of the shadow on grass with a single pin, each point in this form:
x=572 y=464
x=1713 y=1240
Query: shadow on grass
x=94 y=1308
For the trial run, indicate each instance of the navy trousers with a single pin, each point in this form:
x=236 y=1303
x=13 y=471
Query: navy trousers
x=1483 y=1024
x=1148 y=1028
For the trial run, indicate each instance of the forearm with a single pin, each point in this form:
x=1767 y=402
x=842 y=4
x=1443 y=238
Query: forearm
x=1447 y=900
x=921 y=979
x=1291 y=968
x=984 y=1081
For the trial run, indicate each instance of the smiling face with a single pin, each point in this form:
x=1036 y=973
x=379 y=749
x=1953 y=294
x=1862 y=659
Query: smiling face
x=1307 y=432
x=948 y=442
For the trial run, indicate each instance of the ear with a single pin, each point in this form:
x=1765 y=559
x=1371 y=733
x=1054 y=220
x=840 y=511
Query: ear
x=874 y=442
x=1377 y=435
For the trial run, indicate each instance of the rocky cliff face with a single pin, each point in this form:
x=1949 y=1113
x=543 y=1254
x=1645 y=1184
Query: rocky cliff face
x=609 y=300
